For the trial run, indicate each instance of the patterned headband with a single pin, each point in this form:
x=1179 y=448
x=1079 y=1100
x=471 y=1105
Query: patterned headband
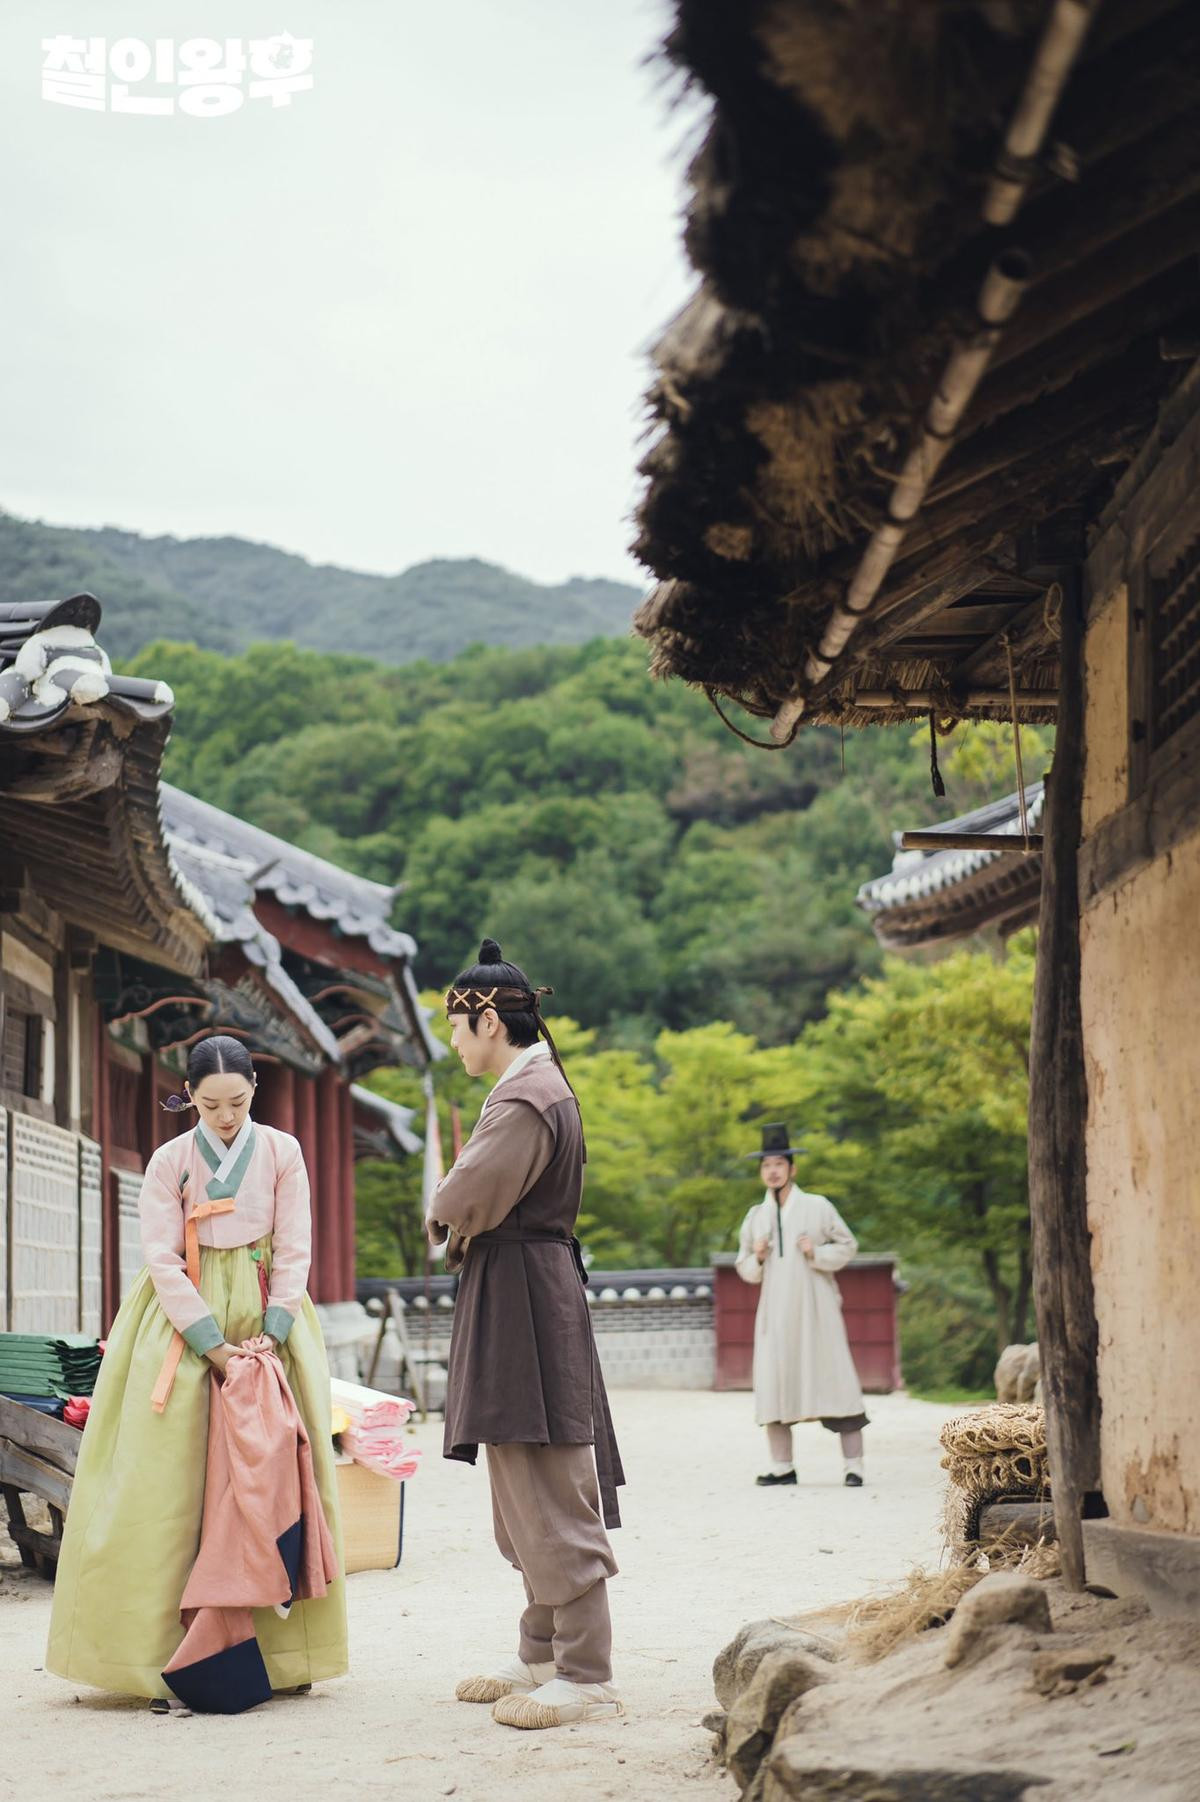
x=505 y=1000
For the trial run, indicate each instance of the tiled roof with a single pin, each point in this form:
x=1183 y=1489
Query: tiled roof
x=230 y=861
x=934 y=895
x=223 y=889
x=393 y=1122
x=356 y=907
x=50 y=663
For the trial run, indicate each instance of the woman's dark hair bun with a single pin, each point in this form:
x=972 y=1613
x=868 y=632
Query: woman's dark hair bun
x=490 y=952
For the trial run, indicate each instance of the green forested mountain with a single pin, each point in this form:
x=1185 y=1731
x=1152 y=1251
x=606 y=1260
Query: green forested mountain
x=608 y=830
x=226 y=593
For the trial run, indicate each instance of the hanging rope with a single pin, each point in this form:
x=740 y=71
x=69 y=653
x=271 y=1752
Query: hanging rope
x=1016 y=727
x=935 y=774
x=760 y=744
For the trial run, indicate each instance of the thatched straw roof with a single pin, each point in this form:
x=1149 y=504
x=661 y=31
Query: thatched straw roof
x=837 y=225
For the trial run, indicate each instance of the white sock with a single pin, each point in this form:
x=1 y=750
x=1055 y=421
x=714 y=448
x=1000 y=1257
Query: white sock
x=854 y=1467
x=781 y=1470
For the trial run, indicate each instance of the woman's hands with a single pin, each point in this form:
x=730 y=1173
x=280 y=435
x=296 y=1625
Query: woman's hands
x=220 y=1355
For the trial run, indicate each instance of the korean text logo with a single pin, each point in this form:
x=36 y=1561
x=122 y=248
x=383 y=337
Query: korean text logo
x=205 y=77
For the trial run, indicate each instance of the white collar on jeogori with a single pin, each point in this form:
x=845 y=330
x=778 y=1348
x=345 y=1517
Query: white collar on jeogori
x=228 y=1154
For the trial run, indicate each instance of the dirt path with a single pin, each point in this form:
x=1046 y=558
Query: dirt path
x=701 y=1552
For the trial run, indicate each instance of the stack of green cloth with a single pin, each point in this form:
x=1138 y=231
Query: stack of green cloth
x=42 y=1364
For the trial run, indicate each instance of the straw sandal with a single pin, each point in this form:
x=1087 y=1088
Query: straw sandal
x=516 y=1678
x=559 y=1703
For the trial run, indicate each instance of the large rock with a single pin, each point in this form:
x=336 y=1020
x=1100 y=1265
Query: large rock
x=794 y=1773
x=1029 y=1376
x=735 y=1666
x=780 y=1679
x=1007 y=1375
x=1002 y=1600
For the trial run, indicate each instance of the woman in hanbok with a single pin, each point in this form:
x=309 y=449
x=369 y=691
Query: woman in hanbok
x=791 y=1244
x=228 y=1201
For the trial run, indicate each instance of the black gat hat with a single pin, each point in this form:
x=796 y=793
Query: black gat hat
x=775 y=1143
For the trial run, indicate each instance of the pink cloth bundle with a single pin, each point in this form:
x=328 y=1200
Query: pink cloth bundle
x=387 y=1452
x=264 y=1539
x=375 y=1436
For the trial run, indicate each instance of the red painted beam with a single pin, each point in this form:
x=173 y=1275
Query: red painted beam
x=297 y=932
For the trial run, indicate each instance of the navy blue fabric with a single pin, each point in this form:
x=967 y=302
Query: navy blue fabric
x=290 y=1545
x=227 y=1683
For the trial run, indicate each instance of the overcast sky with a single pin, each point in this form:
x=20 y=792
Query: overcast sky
x=404 y=317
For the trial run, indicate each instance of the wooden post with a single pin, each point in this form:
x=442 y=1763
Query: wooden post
x=1062 y=1268
x=285 y=1098
x=306 y=1132
x=347 y=1212
x=327 y=1207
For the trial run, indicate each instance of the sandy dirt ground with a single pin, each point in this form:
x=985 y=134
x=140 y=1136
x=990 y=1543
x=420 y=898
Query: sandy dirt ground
x=702 y=1551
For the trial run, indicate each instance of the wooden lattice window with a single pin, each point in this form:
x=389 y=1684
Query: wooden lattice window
x=22 y=1053
x=1174 y=648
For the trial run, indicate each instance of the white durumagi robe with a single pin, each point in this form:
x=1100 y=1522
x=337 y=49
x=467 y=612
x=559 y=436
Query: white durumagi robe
x=802 y=1364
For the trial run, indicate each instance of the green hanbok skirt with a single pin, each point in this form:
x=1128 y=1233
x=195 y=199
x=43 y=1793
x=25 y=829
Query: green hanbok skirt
x=133 y=1528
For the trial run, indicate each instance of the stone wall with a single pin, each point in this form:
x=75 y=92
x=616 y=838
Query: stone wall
x=647 y=1337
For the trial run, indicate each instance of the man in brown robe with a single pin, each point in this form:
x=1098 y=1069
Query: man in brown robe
x=524 y=1376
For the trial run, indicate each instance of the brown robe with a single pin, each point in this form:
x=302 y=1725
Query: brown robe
x=523 y=1362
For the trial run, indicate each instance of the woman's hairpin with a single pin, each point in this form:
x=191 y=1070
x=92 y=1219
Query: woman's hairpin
x=176 y=1104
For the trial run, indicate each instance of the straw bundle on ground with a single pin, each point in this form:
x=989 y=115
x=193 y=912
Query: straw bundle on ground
x=992 y=1454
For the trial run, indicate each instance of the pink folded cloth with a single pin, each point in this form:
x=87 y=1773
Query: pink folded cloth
x=369 y=1408
x=264 y=1539
x=389 y=1454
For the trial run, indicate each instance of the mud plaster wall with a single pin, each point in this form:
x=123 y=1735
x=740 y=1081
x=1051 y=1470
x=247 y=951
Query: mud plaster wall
x=1141 y=1026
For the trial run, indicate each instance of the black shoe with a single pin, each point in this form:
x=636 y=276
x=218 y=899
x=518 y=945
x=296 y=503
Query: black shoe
x=770 y=1480
x=159 y=1706
x=853 y=1480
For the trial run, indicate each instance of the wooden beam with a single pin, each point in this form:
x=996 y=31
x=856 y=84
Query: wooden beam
x=939 y=698
x=32 y=1475
x=970 y=841
x=1062 y=1269
x=989 y=658
x=40 y=1433
x=1020 y=1523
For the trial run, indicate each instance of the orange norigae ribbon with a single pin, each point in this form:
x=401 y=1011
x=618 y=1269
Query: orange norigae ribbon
x=161 y=1393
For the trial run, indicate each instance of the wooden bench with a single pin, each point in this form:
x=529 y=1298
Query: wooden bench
x=37 y=1457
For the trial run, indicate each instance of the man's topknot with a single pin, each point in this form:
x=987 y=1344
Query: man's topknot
x=490 y=952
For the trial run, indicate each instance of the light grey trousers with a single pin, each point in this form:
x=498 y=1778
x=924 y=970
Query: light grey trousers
x=779 y=1443
x=548 y=1523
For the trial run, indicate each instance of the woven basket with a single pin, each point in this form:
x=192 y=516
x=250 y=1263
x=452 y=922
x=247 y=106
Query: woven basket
x=372 y=1518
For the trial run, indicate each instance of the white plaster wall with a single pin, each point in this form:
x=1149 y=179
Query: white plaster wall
x=1141 y=1023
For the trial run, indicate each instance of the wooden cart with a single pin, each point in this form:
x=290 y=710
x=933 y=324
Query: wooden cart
x=37 y=1457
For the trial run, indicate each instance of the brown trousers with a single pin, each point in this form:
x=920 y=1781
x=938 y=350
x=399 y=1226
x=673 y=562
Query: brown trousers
x=546 y=1513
